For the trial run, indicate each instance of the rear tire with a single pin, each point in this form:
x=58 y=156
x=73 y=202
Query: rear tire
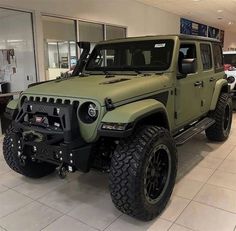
x=29 y=168
x=143 y=172
x=223 y=117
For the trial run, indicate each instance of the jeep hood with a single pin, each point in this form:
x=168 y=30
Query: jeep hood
x=99 y=87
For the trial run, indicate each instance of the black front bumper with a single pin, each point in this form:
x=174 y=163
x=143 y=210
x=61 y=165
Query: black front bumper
x=79 y=158
x=59 y=145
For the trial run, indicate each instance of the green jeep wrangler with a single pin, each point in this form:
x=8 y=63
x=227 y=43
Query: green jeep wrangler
x=123 y=111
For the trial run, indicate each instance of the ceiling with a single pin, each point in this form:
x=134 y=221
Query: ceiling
x=218 y=13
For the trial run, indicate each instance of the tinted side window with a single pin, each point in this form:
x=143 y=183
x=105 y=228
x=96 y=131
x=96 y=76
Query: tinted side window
x=218 y=57
x=206 y=56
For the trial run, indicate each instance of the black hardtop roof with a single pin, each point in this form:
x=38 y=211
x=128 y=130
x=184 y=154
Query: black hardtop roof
x=153 y=37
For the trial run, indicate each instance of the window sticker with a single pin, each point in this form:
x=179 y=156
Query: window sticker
x=160 y=45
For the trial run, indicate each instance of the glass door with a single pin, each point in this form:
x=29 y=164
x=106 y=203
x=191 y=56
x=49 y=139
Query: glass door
x=17 y=57
x=60 y=45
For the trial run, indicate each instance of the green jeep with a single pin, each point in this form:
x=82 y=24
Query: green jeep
x=123 y=111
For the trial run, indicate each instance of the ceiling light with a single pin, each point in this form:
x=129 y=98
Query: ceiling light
x=230 y=23
x=219 y=11
x=195 y=0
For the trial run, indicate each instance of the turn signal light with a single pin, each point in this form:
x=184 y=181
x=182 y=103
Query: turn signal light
x=114 y=126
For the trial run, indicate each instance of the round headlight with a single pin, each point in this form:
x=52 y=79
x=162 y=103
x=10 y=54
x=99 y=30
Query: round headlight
x=230 y=79
x=88 y=112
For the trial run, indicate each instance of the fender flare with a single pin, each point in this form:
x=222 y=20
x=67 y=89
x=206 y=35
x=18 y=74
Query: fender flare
x=221 y=85
x=131 y=114
x=13 y=104
x=12 y=109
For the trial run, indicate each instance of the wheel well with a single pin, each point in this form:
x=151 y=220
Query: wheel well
x=159 y=119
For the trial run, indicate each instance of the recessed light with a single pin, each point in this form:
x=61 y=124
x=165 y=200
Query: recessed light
x=219 y=11
x=196 y=0
x=230 y=23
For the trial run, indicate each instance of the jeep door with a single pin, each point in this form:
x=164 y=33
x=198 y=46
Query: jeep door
x=207 y=75
x=188 y=87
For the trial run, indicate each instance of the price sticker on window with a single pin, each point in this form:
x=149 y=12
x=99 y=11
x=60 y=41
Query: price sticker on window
x=160 y=45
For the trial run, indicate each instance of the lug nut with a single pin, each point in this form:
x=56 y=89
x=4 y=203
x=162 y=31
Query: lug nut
x=71 y=161
x=71 y=154
x=61 y=159
x=60 y=152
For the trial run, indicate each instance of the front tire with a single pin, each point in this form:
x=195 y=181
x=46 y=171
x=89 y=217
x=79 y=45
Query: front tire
x=143 y=172
x=223 y=117
x=29 y=168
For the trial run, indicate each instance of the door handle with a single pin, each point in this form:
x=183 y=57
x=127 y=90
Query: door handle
x=198 y=84
x=212 y=79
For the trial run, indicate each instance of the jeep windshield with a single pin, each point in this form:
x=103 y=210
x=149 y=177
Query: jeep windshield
x=137 y=56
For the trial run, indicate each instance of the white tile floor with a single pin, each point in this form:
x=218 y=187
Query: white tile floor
x=204 y=197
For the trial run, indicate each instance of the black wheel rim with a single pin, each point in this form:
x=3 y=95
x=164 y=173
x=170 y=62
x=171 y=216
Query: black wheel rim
x=157 y=173
x=227 y=117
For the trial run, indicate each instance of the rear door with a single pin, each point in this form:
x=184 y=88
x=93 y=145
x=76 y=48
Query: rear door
x=207 y=75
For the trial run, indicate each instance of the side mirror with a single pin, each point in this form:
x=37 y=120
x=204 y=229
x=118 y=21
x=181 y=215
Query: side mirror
x=189 y=66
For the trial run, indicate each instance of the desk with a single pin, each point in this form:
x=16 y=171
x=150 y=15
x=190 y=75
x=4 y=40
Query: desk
x=4 y=98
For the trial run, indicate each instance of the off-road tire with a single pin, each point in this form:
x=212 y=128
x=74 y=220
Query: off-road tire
x=30 y=169
x=219 y=131
x=128 y=164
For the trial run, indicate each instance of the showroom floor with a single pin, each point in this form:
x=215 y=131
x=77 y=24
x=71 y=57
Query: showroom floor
x=204 y=197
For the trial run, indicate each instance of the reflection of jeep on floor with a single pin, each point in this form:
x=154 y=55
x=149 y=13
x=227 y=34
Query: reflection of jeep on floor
x=123 y=111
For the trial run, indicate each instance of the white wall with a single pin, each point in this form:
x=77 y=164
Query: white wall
x=230 y=40
x=140 y=19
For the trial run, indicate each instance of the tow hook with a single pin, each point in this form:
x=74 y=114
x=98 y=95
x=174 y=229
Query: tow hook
x=62 y=171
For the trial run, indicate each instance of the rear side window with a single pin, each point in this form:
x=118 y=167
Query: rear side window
x=218 y=57
x=206 y=56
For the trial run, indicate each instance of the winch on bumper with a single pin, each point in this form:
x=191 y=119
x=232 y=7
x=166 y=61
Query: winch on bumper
x=51 y=131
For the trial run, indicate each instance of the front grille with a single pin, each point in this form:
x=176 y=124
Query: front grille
x=52 y=100
x=57 y=117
